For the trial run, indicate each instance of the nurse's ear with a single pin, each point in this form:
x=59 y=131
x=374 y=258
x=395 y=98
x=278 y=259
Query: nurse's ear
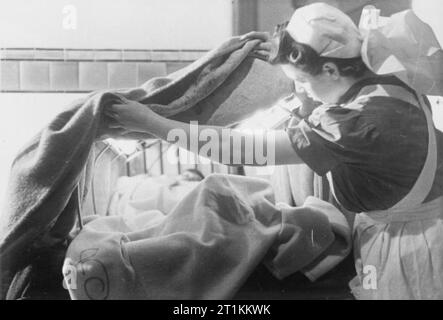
x=330 y=69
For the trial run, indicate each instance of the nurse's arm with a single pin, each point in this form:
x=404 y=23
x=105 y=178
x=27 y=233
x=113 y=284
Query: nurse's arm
x=258 y=148
x=252 y=151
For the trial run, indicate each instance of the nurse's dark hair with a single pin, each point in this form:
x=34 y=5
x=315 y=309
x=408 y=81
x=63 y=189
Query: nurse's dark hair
x=302 y=56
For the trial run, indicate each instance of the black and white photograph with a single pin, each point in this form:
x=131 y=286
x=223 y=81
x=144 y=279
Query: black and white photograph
x=221 y=155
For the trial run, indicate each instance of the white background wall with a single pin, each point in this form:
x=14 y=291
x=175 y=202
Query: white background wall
x=22 y=116
x=273 y=12
x=431 y=11
x=136 y=24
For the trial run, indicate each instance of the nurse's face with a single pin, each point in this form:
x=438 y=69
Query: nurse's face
x=324 y=87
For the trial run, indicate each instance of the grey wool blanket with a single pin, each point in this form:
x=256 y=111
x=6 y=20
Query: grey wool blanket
x=225 y=86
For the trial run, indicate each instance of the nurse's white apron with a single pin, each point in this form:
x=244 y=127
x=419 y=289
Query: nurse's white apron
x=399 y=251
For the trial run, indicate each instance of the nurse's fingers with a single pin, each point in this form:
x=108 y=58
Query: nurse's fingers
x=264 y=36
x=261 y=56
x=111 y=115
x=109 y=110
x=265 y=46
x=261 y=53
x=113 y=123
x=124 y=100
x=116 y=109
x=118 y=106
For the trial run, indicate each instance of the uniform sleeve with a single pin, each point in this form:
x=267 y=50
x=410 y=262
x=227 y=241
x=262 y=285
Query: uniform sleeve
x=331 y=136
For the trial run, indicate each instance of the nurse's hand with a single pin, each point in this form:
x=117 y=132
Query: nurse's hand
x=264 y=36
x=129 y=115
x=263 y=48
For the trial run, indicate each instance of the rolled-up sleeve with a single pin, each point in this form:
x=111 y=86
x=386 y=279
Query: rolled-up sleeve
x=312 y=148
x=331 y=136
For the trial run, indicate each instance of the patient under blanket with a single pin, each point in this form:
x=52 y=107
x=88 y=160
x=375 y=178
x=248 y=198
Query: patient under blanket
x=207 y=246
x=134 y=195
x=51 y=174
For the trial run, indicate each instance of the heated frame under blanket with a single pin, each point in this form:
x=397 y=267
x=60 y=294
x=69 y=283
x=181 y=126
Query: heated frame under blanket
x=207 y=246
x=51 y=174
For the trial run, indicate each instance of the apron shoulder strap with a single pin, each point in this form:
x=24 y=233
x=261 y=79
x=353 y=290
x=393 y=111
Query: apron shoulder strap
x=425 y=180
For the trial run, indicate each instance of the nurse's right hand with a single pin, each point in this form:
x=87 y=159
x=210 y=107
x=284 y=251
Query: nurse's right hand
x=263 y=48
x=264 y=36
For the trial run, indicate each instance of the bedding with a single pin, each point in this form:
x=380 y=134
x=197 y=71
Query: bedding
x=134 y=195
x=43 y=193
x=207 y=246
x=232 y=231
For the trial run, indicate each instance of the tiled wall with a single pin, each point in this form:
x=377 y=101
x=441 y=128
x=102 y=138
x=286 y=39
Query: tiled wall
x=64 y=70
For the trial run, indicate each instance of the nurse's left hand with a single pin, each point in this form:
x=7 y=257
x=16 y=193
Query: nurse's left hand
x=129 y=115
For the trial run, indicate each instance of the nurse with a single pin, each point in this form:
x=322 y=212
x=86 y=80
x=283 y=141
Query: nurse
x=374 y=139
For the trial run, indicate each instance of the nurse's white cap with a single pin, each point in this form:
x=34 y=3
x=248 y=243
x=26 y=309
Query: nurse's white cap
x=329 y=31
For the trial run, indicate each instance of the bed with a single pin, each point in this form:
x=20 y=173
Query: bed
x=149 y=159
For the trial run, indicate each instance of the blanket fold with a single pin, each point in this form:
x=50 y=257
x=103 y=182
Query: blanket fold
x=222 y=88
x=205 y=248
